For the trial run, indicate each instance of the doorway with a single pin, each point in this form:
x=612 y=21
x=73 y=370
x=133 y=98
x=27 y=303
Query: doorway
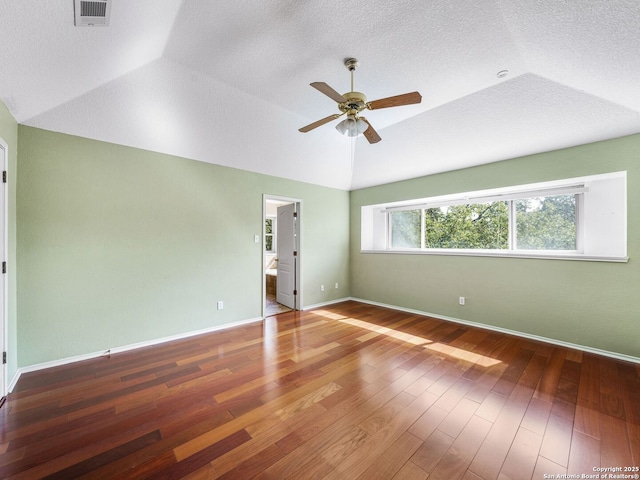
x=281 y=255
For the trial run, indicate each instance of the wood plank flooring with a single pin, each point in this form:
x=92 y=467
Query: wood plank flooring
x=349 y=391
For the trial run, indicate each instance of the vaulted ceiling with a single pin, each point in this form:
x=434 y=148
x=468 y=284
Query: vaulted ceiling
x=228 y=82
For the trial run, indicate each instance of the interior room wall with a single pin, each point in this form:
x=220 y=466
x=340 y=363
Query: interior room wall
x=592 y=304
x=9 y=133
x=118 y=245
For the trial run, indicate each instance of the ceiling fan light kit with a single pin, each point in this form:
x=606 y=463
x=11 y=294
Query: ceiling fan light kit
x=352 y=126
x=352 y=103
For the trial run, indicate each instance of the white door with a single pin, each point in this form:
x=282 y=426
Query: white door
x=286 y=246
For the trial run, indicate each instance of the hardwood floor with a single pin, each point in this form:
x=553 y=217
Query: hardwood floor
x=272 y=307
x=350 y=391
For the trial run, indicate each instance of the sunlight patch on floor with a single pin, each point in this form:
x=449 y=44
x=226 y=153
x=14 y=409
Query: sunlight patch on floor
x=441 y=348
x=390 y=332
x=329 y=315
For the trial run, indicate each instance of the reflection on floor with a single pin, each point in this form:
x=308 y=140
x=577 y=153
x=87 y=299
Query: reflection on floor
x=272 y=307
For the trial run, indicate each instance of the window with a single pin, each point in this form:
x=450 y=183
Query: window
x=474 y=225
x=269 y=234
x=539 y=223
x=406 y=230
x=574 y=218
x=547 y=223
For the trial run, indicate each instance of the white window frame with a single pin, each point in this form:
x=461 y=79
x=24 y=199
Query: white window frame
x=272 y=234
x=600 y=211
x=512 y=241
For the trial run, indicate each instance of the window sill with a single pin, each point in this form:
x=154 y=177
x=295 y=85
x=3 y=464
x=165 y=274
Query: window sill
x=505 y=254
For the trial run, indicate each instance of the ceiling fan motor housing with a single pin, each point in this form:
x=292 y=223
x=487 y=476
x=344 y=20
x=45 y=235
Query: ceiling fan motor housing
x=355 y=101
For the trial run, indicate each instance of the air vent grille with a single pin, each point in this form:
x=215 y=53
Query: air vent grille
x=93 y=9
x=92 y=13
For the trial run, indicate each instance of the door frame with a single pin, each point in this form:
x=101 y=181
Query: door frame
x=298 y=270
x=4 y=226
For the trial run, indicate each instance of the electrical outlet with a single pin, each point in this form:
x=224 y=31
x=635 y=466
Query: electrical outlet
x=220 y=305
x=461 y=300
x=336 y=284
x=256 y=238
x=322 y=288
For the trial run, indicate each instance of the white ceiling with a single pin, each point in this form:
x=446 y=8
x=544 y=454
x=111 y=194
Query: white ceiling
x=228 y=82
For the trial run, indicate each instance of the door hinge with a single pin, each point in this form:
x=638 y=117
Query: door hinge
x=295 y=292
x=295 y=214
x=295 y=253
x=4 y=267
x=4 y=357
x=4 y=176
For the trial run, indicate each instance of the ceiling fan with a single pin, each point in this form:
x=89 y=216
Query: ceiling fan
x=352 y=103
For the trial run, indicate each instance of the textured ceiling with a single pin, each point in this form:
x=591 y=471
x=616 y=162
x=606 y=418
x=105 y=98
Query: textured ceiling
x=228 y=82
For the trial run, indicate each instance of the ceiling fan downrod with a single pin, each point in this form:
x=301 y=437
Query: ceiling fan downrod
x=351 y=64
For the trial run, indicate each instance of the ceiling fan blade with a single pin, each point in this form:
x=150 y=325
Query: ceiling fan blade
x=328 y=91
x=397 y=101
x=313 y=125
x=370 y=134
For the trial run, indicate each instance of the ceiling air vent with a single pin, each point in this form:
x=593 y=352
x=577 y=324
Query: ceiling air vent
x=92 y=13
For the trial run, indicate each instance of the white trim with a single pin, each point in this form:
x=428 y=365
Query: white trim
x=500 y=192
x=299 y=283
x=126 y=348
x=89 y=356
x=479 y=197
x=4 y=166
x=552 y=341
x=601 y=223
x=502 y=253
x=13 y=382
x=325 y=304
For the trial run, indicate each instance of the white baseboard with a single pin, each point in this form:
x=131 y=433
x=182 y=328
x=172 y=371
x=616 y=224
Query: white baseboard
x=326 y=304
x=14 y=380
x=88 y=356
x=125 y=348
x=553 y=341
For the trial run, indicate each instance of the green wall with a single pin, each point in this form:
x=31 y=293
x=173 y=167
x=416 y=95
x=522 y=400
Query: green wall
x=118 y=245
x=592 y=304
x=9 y=133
